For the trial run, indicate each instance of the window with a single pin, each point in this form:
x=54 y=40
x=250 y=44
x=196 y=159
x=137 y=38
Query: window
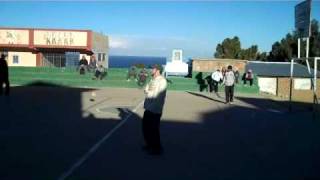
x=54 y=59
x=15 y=59
x=99 y=57
x=72 y=59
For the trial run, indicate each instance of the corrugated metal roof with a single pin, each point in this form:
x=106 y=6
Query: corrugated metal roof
x=279 y=69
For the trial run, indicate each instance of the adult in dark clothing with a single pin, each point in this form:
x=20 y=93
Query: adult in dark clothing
x=83 y=65
x=208 y=81
x=4 y=76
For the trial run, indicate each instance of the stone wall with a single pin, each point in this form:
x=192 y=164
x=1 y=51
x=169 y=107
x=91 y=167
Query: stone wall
x=283 y=91
x=210 y=65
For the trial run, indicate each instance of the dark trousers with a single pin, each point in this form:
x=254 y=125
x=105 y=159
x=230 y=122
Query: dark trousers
x=7 y=88
x=229 y=93
x=150 y=129
x=215 y=85
x=250 y=80
x=99 y=75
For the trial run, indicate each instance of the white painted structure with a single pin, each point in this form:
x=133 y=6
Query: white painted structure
x=268 y=85
x=176 y=67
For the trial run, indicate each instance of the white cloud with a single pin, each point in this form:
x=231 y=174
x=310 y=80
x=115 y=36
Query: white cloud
x=139 y=45
x=118 y=43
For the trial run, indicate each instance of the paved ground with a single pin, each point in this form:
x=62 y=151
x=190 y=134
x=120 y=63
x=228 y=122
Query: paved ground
x=62 y=133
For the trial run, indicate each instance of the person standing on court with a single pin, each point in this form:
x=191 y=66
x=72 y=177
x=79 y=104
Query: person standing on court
x=236 y=75
x=216 y=78
x=228 y=81
x=83 y=65
x=155 y=92
x=4 y=76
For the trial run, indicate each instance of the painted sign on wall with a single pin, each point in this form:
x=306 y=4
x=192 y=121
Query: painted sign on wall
x=268 y=85
x=60 y=38
x=19 y=37
x=302 y=84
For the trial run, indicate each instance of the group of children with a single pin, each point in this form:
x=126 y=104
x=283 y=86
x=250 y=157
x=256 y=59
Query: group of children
x=98 y=69
x=140 y=77
x=228 y=77
x=100 y=72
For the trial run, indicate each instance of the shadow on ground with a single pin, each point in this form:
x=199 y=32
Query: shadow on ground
x=43 y=132
x=233 y=142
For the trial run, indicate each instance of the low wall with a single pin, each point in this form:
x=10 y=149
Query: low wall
x=210 y=65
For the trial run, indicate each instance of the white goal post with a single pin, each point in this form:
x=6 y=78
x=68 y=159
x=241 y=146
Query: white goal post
x=313 y=79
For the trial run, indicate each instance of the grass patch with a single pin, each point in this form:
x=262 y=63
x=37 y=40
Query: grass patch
x=116 y=78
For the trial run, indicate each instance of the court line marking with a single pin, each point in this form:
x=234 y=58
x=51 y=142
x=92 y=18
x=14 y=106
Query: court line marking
x=95 y=147
x=97 y=103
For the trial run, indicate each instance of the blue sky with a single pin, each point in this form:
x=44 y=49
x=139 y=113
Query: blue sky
x=155 y=28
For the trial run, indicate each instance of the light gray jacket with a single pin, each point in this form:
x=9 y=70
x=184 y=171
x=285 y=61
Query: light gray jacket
x=229 y=78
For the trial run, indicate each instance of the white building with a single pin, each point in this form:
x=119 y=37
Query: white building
x=176 y=67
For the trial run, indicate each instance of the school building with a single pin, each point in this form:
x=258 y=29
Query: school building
x=52 y=47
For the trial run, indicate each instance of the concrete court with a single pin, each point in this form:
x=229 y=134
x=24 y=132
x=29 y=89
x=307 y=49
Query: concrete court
x=45 y=131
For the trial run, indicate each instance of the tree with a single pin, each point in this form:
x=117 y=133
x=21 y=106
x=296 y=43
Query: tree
x=219 y=51
x=229 y=48
x=277 y=52
x=249 y=54
x=262 y=56
x=315 y=39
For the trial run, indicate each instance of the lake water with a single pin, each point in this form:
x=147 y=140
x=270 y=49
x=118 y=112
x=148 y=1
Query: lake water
x=127 y=61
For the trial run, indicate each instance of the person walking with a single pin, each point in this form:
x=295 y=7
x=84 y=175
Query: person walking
x=228 y=81
x=155 y=98
x=4 y=76
x=216 y=78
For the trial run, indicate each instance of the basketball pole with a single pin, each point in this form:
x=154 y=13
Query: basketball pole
x=299 y=48
x=290 y=95
x=315 y=98
x=307 y=55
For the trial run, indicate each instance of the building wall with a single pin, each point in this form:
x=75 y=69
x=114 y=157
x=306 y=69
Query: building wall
x=100 y=47
x=209 y=65
x=283 y=91
x=18 y=37
x=51 y=41
x=24 y=59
